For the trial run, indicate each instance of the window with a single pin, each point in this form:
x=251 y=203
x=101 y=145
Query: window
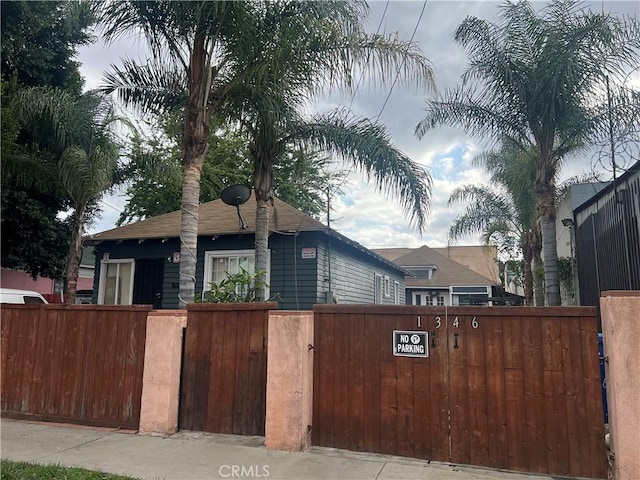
x=116 y=282
x=220 y=264
x=387 y=286
x=422 y=272
x=377 y=288
x=396 y=292
x=440 y=301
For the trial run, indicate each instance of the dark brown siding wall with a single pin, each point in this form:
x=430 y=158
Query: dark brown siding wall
x=77 y=364
x=516 y=388
x=224 y=374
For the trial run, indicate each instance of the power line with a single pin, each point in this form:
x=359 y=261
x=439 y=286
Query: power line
x=353 y=96
x=424 y=5
x=394 y=81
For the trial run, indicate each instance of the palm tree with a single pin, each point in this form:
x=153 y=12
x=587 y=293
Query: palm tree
x=359 y=141
x=326 y=57
x=504 y=213
x=80 y=133
x=531 y=78
x=203 y=50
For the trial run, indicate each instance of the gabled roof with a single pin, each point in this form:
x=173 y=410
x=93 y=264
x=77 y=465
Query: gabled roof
x=214 y=218
x=448 y=272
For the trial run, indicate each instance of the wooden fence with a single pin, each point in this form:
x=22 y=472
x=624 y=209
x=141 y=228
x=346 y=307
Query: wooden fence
x=514 y=388
x=76 y=364
x=224 y=376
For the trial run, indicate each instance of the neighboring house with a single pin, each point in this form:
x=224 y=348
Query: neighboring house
x=607 y=238
x=439 y=280
x=576 y=195
x=481 y=259
x=48 y=287
x=309 y=262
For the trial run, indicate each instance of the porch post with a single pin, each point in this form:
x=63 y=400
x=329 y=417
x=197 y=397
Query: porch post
x=161 y=377
x=289 y=381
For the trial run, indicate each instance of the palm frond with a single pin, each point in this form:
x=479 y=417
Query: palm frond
x=152 y=87
x=367 y=145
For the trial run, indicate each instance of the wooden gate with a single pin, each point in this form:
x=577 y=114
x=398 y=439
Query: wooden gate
x=224 y=370
x=513 y=388
x=74 y=363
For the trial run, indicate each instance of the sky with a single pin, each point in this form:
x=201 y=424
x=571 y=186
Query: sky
x=362 y=213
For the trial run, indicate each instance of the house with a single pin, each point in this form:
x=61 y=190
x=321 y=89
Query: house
x=481 y=259
x=605 y=237
x=50 y=288
x=309 y=263
x=576 y=195
x=438 y=280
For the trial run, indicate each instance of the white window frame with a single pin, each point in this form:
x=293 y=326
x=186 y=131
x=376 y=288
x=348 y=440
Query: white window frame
x=209 y=256
x=103 y=278
x=386 y=286
x=377 y=288
x=396 y=292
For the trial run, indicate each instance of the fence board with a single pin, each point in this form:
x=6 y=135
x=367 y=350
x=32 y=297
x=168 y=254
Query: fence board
x=439 y=388
x=341 y=387
x=477 y=385
x=59 y=363
x=458 y=390
x=356 y=382
x=372 y=380
x=223 y=388
x=496 y=399
x=521 y=391
x=533 y=375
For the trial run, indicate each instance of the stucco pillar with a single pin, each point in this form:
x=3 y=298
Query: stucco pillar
x=161 y=377
x=621 y=332
x=289 y=381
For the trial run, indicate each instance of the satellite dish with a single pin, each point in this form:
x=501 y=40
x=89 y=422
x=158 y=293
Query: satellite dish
x=236 y=195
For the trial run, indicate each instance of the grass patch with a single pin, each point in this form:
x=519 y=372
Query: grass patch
x=29 y=471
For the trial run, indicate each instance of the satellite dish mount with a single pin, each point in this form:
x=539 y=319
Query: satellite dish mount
x=236 y=195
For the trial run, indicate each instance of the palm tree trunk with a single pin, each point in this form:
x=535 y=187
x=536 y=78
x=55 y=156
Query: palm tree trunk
x=262 y=182
x=189 y=233
x=195 y=146
x=75 y=253
x=547 y=217
x=538 y=267
x=538 y=279
x=262 y=244
x=528 y=275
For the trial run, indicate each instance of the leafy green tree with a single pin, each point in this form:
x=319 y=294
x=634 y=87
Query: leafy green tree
x=38 y=42
x=83 y=152
x=155 y=173
x=533 y=78
x=203 y=50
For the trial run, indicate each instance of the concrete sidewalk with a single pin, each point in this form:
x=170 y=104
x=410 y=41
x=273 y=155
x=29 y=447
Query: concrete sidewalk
x=191 y=455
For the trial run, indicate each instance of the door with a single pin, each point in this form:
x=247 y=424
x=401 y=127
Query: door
x=147 y=282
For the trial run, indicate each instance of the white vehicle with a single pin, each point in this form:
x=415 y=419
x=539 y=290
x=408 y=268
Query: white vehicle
x=12 y=295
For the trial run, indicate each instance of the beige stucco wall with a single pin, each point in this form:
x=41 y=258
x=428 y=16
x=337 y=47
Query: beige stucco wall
x=621 y=331
x=289 y=381
x=479 y=258
x=161 y=377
